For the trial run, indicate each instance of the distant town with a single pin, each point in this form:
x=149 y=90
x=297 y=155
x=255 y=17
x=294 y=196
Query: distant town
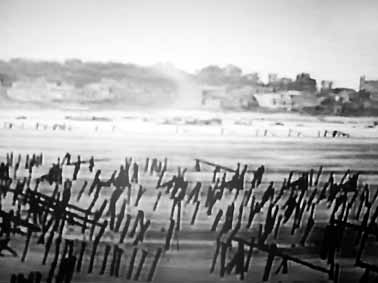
x=116 y=85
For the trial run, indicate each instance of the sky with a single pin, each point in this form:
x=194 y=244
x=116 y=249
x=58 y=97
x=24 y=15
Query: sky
x=331 y=39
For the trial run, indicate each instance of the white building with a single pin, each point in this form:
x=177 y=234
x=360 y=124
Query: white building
x=277 y=100
x=288 y=100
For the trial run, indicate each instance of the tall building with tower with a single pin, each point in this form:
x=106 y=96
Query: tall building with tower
x=369 y=86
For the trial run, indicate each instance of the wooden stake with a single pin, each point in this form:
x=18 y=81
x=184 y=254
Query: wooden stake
x=154 y=264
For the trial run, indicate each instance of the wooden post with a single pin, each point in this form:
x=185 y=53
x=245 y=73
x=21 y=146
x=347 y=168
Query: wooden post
x=247 y=196
x=140 y=266
x=141 y=191
x=336 y=276
x=114 y=258
x=154 y=264
x=157 y=201
x=216 y=220
x=118 y=262
x=197 y=167
x=249 y=255
x=240 y=263
x=55 y=260
x=310 y=200
x=82 y=191
x=47 y=247
x=120 y=217
x=96 y=217
x=276 y=230
x=214 y=261
x=81 y=255
x=95 y=244
x=223 y=258
x=252 y=211
x=125 y=228
x=106 y=254
x=269 y=262
x=30 y=278
x=208 y=196
x=195 y=213
x=178 y=223
x=27 y=242
x=318 y=175
x=131 y=265
x=169 y=234
x=310 y=224
x=21 y=278
x=146 y=165
x=70 y=244
x=142 y=232
x=139 y=219
x=38 y=277
x=160 y=179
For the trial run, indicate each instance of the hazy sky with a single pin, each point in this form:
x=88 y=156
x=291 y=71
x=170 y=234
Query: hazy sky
x=331 y=39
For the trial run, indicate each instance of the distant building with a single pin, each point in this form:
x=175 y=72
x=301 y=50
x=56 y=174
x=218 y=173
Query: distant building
x=272 y=78
x=285 y=81
x=369 y=86
x=287 y=100
x=232 y=71
x=342 y=95
x=304 y=82
x=279 y=84
x=252 y=78
x=240 y=98
x=212 y=97
x=326 y=86
x=230 y=98
x=305 y=99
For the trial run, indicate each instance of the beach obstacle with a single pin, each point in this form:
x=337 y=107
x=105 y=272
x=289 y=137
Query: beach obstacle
x=332 y=270
x=158 y=196
x=169 y=235
x=33 y=277
x=95 y=245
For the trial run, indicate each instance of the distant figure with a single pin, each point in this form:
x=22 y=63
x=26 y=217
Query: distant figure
x=91 y=164
x=197 y=167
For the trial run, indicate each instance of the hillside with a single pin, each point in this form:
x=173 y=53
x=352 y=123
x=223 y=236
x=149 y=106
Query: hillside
x=93 y=84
